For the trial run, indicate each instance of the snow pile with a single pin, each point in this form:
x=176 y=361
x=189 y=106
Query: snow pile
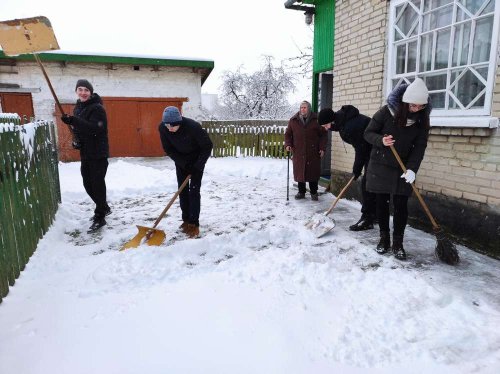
x=257 y=293
x=26 y=132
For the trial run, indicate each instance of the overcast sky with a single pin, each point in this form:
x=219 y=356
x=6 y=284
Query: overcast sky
x=229 y=32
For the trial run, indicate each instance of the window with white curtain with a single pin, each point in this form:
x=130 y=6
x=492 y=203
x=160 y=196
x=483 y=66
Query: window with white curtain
x=452 y=46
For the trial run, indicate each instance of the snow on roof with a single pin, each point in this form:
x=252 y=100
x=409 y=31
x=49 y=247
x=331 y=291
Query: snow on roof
x=127 y=55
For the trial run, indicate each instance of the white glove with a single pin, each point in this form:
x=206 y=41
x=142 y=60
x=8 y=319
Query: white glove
x=409 y=176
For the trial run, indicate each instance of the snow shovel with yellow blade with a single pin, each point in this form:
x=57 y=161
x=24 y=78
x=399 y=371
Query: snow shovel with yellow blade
x=151 y=235
x=31 y=35
x=320 y=223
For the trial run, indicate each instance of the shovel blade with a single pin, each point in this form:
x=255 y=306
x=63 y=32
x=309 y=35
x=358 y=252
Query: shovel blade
x=150 y=235
x=320 y=225
x=27 y=35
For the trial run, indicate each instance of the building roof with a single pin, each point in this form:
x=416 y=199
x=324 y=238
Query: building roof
x=205 y=67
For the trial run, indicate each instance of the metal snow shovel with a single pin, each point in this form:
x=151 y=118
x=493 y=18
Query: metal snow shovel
x=445 y=249
x=152 y=235
x=321 y=224
x=31 y=35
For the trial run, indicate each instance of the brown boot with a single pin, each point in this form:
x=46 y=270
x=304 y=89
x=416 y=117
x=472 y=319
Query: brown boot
x=192 y=230
x=183 y=226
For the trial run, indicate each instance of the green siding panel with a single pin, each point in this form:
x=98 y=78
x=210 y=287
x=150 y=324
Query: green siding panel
x=109 y=59
x=324 y=29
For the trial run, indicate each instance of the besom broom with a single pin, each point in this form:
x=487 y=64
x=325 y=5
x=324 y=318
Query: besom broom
x=445 y=249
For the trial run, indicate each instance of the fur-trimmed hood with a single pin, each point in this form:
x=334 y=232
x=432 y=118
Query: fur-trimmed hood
x=395 y=99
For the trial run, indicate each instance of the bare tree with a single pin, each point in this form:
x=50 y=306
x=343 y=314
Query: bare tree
x=259 y=95
x=303 y=63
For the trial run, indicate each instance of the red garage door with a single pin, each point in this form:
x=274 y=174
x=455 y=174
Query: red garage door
x=132 y=127
x=20 y=103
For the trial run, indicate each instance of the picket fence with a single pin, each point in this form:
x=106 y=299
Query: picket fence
x=29 y=192
x=247 y=138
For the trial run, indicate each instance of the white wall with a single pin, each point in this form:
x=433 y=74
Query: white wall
x=121 y=81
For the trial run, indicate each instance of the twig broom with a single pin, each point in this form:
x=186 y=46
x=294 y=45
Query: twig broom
x=445 y=249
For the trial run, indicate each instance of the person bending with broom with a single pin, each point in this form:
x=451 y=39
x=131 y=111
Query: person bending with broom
x=189 y=146
x=403 y=124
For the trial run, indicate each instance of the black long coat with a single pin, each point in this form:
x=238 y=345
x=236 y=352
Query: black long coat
x=306 y=141
x=384 y=172
x=90 y=125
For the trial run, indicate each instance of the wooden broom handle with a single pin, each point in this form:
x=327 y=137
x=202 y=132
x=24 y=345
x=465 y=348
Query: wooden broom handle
x=172 y=201
x=422 y=202
x=339 y=196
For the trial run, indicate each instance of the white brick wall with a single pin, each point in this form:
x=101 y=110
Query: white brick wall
x=360 y=37
x=459 y=162
x=122 y=81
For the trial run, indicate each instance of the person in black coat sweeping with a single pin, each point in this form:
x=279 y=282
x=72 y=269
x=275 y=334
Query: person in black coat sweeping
x=351 y=126
x=189 y=146
x=90 y=125
x=404 y=124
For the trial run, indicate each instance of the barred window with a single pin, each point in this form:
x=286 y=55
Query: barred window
x=451 y=45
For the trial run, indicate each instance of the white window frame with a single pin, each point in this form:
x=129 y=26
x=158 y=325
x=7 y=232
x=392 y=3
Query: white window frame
x=480 y=117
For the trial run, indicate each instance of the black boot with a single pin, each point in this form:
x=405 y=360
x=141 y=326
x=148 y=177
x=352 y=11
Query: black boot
x=107 y=213
x=300 y=195
x=364 y=223
x=97 y=224
x=384 y=244
x=397 y=247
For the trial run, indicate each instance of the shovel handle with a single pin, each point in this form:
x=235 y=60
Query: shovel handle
x=172 y=201
x=37 y=58
x=340 y=195
x=419 y=197
x=48 y=82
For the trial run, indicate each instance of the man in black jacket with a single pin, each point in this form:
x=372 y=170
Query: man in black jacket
x=351 y=126
x=90 y=125
x=189 y=146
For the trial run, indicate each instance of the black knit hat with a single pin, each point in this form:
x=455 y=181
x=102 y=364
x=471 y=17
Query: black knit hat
x=325 y=116
x=84 y=83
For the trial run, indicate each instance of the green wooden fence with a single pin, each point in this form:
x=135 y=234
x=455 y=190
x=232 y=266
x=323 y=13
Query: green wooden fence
x=247 y=138
x=29 y=192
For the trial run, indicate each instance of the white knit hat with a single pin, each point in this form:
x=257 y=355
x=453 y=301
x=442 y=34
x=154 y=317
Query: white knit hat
x=416 y=93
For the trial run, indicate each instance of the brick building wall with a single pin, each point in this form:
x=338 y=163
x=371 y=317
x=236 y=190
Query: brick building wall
x=460 y=174
x=359 y=60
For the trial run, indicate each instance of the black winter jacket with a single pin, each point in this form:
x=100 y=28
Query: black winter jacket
x=188 y=147
x=91 y=128
x=384 y=172
x=351 y=126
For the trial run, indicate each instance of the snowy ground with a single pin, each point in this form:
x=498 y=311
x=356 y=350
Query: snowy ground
x=257 y=293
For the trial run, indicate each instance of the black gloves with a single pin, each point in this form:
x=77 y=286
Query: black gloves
x=67 y=119
x=356 y=174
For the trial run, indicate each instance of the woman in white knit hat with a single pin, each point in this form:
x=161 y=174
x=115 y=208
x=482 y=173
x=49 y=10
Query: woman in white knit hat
x=404 y=124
